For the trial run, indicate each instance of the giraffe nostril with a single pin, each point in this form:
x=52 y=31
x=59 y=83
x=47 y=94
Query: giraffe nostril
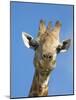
x=50 y=57
x=47 y=56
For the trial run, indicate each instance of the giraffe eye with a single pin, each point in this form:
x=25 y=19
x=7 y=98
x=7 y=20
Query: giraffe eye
x=44 y=55
x=58 y=49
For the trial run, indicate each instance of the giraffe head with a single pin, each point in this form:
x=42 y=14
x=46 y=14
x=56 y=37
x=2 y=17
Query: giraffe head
x=46 y=45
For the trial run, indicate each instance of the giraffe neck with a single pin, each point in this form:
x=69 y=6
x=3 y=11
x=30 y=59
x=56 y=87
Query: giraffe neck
x=40 y=84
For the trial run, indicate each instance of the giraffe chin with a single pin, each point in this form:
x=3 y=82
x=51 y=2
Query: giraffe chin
x=48 y=69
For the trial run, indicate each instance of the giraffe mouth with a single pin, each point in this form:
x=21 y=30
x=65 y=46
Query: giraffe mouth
x=47 y=63
x=44 y=72
x=47 y=66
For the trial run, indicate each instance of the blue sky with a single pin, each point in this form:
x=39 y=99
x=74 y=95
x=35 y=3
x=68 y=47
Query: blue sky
x=25 y=17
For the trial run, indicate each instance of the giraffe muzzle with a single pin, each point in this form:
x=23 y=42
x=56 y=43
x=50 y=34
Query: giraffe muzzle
x=47 y=57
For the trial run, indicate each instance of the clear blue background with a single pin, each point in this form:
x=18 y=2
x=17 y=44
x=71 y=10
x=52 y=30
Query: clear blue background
x=25 y=17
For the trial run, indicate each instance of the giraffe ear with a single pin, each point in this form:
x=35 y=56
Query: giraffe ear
x=65 y=46
x=29 y=41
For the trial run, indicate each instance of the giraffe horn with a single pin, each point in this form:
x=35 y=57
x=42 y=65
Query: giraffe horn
x=42 y=27
x=58 y=24
x=56 y=30
x=49 y=27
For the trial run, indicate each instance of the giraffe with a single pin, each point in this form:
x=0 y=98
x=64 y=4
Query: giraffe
x=47 y=46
